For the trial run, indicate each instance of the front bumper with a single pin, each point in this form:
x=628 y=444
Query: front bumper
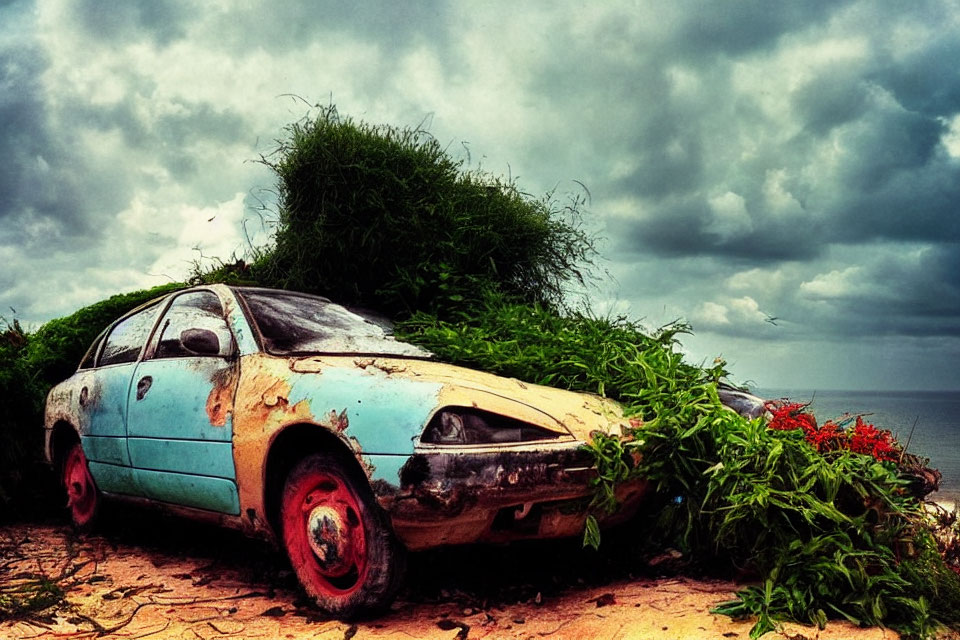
x=497 y=495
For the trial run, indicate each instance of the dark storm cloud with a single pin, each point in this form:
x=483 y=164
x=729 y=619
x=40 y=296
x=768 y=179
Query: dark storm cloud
x=736 y=28
x=38 y=190
x=286 y=25
x=831 y=100
x=169 y=138
x=867 y=162
x=161 y=20
x=681 y=227
x=927 y=81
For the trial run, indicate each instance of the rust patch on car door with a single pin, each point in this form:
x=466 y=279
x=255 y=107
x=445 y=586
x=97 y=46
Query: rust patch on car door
x=220 y=400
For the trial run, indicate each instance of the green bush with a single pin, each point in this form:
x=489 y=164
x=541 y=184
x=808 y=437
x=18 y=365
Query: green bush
x=385 y=217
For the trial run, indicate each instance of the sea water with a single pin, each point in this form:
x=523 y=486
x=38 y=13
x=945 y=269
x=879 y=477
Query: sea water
x=936 y=415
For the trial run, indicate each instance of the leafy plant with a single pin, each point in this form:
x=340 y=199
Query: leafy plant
x=830 y=533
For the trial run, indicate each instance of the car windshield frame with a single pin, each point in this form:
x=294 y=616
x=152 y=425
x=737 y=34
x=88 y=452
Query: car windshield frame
x=325 y=327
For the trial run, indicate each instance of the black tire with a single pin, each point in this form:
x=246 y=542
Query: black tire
x=338 y=539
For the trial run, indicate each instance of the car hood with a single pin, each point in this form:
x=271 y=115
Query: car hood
x=578 y=414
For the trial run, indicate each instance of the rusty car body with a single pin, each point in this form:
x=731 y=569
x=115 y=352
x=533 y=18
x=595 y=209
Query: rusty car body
x=297 y=420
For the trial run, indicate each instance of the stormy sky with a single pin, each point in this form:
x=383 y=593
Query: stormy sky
x=784 y=176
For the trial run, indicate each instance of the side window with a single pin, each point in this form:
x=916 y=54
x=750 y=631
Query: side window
x=127 y=338
x=91 y=354
x=193 y=326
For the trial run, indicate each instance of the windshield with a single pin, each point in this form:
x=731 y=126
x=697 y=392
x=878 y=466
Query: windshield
x=296 y=323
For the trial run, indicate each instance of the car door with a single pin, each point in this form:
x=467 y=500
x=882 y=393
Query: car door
x=180 y=408
x=103 y=401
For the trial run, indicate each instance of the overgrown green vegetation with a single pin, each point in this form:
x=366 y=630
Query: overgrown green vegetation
x=827 y=535
x=385 y=217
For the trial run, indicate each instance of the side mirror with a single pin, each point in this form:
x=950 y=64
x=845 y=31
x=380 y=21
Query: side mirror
x=201 y=342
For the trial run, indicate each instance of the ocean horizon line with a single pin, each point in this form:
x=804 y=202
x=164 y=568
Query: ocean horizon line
x=831 y=390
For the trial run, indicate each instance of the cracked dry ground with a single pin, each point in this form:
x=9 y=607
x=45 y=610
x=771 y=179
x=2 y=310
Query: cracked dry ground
x=152 y=576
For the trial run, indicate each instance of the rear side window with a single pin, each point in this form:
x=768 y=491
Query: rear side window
x=91 y=355
x=127 y=337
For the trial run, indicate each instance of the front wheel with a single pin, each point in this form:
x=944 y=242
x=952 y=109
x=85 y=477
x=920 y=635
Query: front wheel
x=83 y=499
x=337 y=539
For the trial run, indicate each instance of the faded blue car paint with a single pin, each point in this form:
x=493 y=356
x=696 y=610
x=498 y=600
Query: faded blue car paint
x=384 y=416
x=105 y=443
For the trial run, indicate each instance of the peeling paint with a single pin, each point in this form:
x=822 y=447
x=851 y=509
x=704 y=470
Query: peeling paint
x=338 y=421
x=219 y=403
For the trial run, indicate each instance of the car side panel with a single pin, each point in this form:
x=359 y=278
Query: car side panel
x=213 y=459
x=104 y=403
x=113 y=478
x=105 y=450
x=211 y=494
x=179 y=431
x=383 y=415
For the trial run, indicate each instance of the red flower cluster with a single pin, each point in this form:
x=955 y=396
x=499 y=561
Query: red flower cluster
x=863 y=438
x=789 y=416
x=878 y=443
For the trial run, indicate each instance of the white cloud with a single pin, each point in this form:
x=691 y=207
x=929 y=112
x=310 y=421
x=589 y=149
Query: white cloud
x=730 y=217
x=839 y=283
x=711 y=314
x=759 y=279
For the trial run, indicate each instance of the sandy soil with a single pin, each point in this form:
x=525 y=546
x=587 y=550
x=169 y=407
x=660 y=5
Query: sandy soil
x=150 y=576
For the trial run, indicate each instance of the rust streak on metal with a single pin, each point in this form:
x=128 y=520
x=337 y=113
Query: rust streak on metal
x=220 y=400
x=262 y=409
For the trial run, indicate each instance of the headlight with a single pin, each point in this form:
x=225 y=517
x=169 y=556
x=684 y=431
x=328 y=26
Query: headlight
x=462 y=425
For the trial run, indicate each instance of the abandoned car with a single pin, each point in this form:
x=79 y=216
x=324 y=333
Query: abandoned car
x=297 y=420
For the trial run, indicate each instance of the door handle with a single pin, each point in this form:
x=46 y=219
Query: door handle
x=143 y=386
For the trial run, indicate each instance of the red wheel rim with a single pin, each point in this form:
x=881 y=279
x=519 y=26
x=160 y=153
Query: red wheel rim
x=81 y=491
x=324 y=533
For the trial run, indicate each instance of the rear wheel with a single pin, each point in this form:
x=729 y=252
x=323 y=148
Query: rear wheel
x=83 y=499
x=337 y=538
